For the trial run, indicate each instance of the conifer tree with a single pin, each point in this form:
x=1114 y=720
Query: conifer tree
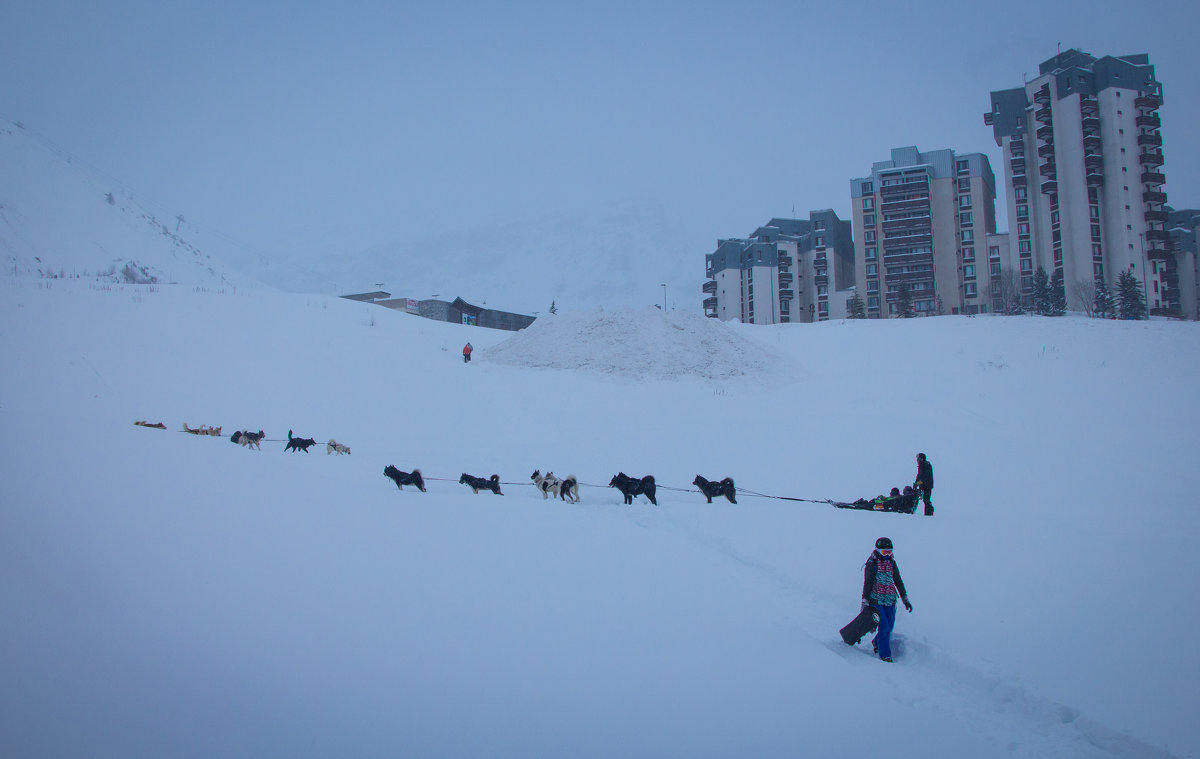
x=904 y=307
x=1057 y=296
x=856 y=308
x=1131 y=301
x=1102 y=305
x=1041 y=292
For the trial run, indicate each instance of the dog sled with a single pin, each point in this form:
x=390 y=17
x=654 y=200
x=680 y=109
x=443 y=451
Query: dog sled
x=154 y=425
x=896 y=501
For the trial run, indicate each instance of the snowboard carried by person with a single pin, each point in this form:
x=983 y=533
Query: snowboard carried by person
x=867 y=621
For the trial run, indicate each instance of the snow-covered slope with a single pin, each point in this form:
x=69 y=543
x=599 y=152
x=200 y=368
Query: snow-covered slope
x=170 y=595
x=59 y=218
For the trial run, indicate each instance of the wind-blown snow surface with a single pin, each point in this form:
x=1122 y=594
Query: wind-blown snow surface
x=168 y=595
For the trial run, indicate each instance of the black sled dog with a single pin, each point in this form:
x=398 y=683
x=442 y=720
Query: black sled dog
x=299 y=443
x=479 y=483
x=713 y=489
x=630 y=487
x=405 y=478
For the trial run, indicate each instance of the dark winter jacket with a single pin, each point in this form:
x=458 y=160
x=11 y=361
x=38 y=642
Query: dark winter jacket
x=924 y=475
x=881 y=581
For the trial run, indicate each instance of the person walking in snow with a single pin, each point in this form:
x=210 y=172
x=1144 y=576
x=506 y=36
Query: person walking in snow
x=924 y=482
x=467 y=353
x=881 y=587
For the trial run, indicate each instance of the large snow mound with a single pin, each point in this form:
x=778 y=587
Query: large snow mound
x=644 y=343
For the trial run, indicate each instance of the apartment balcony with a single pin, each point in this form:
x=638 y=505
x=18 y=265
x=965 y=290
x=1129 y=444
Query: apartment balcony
x=1018 y=165
x=709 y=287
x=1092 y=143
x=1157 y=217
x=988 y=118
x=1088 y=105
x=1049 y=170
x=905 y=204
x=784 y=260
x=1043 y=115
x=904 y=241
x=1151 y=158
x=1158 y=254
x=710 y=303
x=1153 y=178
x=1153 y=139
x=1045 y=132
x=916 y=222
x=1049 y=187
x=1154 y=196
x=1151 y=121
x=785 y=279
x=1149 y=102
x=1090 y=124
x=908 y=187
x=1095 y=178
x=1042 y=96
x=1018 y=180
x=821 y=279
x=1158 y=235
x=898 y=259
x=1046 y=151
x=787 y=295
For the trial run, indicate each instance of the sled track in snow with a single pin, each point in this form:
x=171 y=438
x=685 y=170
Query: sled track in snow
x=1064 y=731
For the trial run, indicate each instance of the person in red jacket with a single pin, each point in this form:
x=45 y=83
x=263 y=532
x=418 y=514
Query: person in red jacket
x=467 y=353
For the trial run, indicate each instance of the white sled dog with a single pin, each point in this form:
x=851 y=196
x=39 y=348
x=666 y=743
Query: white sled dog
x=334 y=446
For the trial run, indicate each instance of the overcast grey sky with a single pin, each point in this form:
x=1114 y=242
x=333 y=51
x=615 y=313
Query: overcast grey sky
x=309 y=127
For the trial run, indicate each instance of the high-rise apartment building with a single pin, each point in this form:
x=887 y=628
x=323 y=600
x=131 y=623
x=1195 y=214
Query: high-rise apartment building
x=1184 y=228
x=1083 y=172
x=790 y=270
x=928 y=221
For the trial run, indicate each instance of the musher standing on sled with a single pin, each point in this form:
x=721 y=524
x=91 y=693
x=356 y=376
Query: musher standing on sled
x=881 y=586
x=924 y=482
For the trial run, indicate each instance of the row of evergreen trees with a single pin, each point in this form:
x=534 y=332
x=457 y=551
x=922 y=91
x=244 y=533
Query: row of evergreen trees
x=1049 y=299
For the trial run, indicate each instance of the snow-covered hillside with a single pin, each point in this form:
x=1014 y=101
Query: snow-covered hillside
x=60 y=218
x=172 y=595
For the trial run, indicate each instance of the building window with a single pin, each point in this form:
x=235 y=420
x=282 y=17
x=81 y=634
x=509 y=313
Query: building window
x=873 y=302
x=1024 y=246
x=1021 y=193
x=822 y=289
x=964 y=185
x=1026 y=265
x=994 y=251
x=868 y=204
x=1023 y=228
x=963 y=166
x=968 y=236
x=820 y=241
x=869 y=220
x=970 y=289
x=869 y=236
x=969 y=271
x=995 y=268
x=968 y=254
x=872 y=270
x=818 y=224
x=870 y=254
x=868 y=188
x=965 y=218
x=1022 y=212
x=964 y=201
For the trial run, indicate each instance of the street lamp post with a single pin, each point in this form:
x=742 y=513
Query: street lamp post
x=664 y=287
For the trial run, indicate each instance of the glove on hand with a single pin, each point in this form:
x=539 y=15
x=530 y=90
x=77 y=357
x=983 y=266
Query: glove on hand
x=907 y=606
x=865 y=604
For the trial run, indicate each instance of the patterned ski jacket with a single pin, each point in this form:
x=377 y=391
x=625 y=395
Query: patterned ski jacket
x=881 y=581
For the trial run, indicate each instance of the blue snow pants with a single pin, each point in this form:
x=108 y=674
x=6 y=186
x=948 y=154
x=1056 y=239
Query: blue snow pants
x=883 y=637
